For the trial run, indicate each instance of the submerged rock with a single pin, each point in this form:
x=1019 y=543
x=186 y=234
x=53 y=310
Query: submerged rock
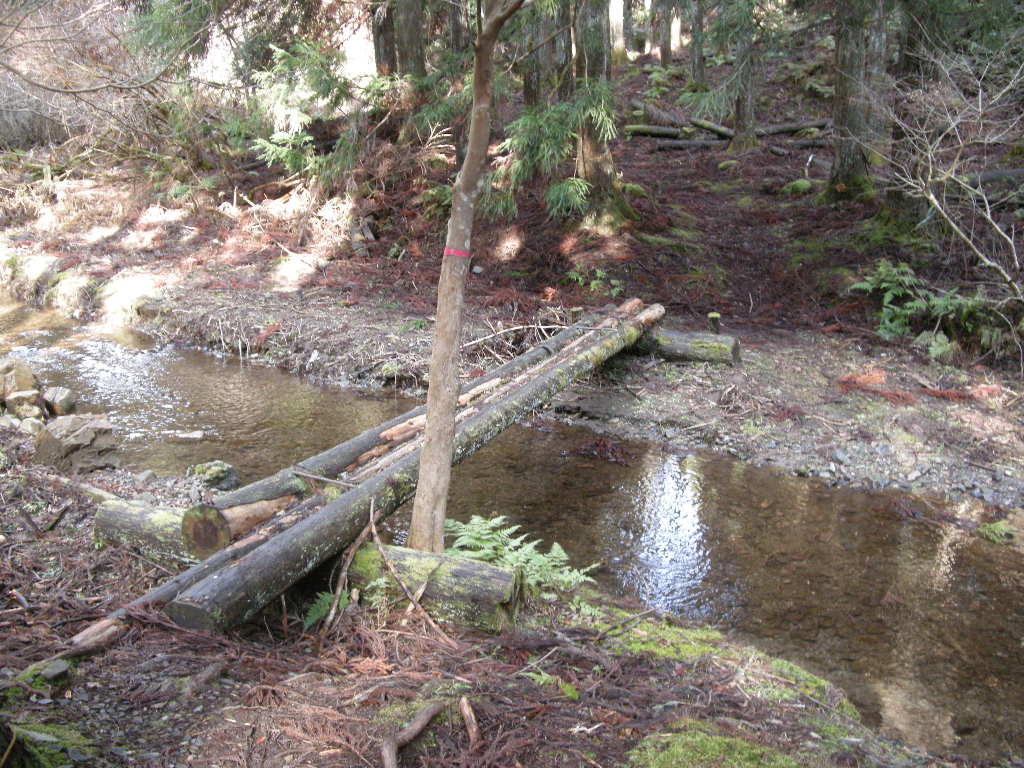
x=215 y=474
x=76 y=443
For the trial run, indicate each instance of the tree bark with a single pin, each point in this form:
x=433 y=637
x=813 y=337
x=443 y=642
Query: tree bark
x=152 y=531
x=458 y=21
x=427 y=529
x=849 y=176
x=410 y=35
x=744 y=120
x=661 y=30
x=458 y=591
x=382 y=26
x=879 y=130
x=530 y=66
x=698 y=75
x=594 y=161
x=240 y=590
x=566 y=84
x=617 y=28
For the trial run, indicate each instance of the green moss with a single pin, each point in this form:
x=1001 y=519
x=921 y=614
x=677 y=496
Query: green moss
x=668 y=641
x=746 y=202
x=46 y=744
x=699 y=745
x=797 y=188
x=812 y=685
x=727 y=165
x=998 y=532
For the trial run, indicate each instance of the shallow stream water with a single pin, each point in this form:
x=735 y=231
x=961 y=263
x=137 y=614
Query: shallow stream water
x=919 y=621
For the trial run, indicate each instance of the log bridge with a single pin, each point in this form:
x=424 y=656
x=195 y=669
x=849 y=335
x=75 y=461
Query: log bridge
x=248 y=546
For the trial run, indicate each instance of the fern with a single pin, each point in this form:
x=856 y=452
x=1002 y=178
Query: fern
x=321 y=607
x=489 y=541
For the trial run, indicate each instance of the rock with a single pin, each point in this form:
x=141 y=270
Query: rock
x=196 y=435
x=31 y=426
x=55 y=670
x=76 y=443
x=215 y=474
x=16 y=376
x=60 y=400
x=25 y=403
x=9 y=422
x=145 y=476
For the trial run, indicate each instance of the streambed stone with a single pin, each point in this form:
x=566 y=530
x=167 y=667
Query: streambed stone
x=25 y=404
x=60 y=400
x=215 y=474
x=16 y=376
x=77 y=443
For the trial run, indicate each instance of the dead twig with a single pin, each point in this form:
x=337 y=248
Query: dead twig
x=469 y=718
x=389 y=748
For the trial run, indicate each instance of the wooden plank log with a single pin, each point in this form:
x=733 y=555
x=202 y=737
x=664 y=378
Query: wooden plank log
x=237 y=592
x=458 y=591
x=691 y=346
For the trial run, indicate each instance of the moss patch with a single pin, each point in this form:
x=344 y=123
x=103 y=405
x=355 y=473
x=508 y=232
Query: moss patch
x=671 y=642
x=46 y=744
x=699 y=744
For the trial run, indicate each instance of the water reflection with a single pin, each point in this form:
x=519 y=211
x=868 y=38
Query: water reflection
x=919 y=621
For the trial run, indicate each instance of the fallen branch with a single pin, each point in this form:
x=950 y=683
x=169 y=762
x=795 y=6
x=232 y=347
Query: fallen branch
x=389 y=748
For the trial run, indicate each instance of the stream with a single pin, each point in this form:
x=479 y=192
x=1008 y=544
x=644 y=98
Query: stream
x=920 y=622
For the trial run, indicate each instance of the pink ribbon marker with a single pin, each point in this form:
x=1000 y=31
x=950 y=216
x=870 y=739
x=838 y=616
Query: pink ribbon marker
x=455 y=252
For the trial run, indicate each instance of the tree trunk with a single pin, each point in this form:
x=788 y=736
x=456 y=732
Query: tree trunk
x=410 y=35
x=458 y=21
x=617 y=29
x=240 y=590
x=385 y=53
x=530 y=66
x=661 y=30
x=877 y=105
x=628 y=33
x=698 y=75
x=427 y=528
x=744 y=120
x=849 y=176
x=458 y=591
x=594 y=161
x=566 y=84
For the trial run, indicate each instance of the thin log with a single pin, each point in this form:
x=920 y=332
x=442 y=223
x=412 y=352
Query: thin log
x=660 y=131
x=458 y=591
x=240 y=590
x=663 y=146
x=206 y=529
x=715 y=128
x=774 y=130
x=691 y=346
x=151 y=530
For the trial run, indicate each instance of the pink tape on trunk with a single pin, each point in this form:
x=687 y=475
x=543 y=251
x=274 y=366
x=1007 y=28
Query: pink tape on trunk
x=456 y=252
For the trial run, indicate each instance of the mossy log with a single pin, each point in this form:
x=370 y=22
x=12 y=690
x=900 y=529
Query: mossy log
x=210 y=526
x=458 y=591
x=660 y=131
x=663 y=146
x=656 y=116
x=151 y=530
x=691 y=346
x=237 y=592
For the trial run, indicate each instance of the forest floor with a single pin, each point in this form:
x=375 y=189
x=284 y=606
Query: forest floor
x=818 y=394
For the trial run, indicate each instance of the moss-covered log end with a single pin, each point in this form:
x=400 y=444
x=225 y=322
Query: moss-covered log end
x=204 y=530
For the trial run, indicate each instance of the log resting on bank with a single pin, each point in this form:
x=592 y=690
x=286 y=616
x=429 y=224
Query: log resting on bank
x=237 y=592
x=690 y=346
x=152 y=531
x=458 y=591
x=208 y=527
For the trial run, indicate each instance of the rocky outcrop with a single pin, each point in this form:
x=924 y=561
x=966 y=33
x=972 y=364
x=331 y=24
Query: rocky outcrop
x=24 y=405
x=79 y=443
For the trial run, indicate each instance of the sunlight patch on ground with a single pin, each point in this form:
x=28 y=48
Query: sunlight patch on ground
x=121 y=296
x=294 y=269
x=157 y=214
x=99 y=233
x=510 y=245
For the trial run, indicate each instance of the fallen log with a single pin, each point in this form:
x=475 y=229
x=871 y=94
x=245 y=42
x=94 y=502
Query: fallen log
x=237 y=592
x=690 y=346
x=151 y=530
x=656 y=116
x=773 y=130
x=663 y=146
x=770 y=130
x=660 y=131
x=207 y=527
x=715 y=128
x=458 y=591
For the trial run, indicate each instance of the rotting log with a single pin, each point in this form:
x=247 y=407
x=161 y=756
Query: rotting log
x=237 y=592
x=659 y=131
x=774 y=130
x=715 y=128
x=151 y=530
x=690 y=346
x=458 y=591
x=204 y=529
x=211 y=525
x=656 y=116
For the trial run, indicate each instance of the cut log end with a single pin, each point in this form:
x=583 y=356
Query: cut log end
x=205 y=530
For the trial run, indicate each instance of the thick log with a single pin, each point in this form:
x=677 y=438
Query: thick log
x=773 y=130
x=715 y=128
x=663 y=146
x=458 y=591
x=205 y=529
x=691 y=346
x=660 y=131
x=153 y=531
x=237 y=592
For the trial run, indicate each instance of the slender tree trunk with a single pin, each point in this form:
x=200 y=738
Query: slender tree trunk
x=594 y=161
x=878 y=103
x=697 y=48
x=616 y=17
x=628 y=34
x=530 y=66
x=744 y=120
x=665 y=33
x=458 y=21
x=850 y=170
x=426 y=531
x=410 y=34
x=563 y=51
x=385 y=53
